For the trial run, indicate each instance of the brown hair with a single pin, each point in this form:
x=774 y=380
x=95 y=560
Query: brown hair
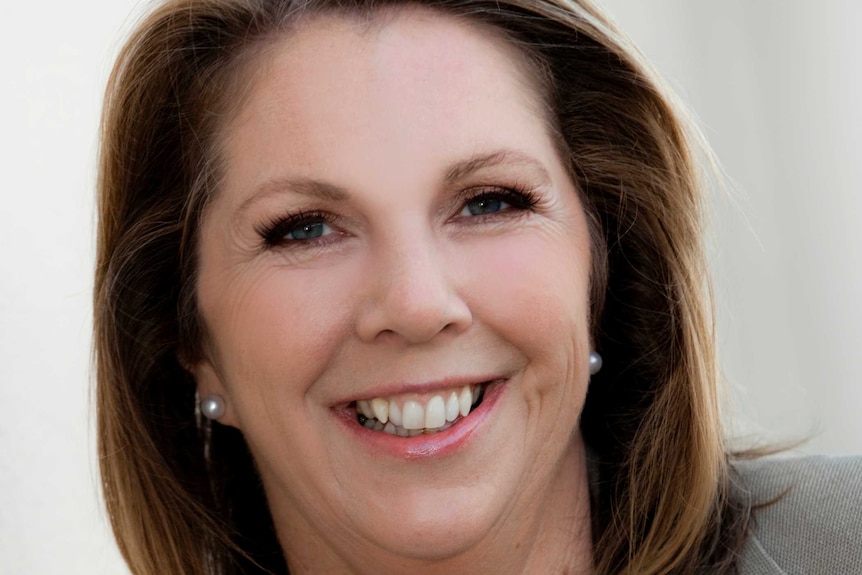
x=183 y=495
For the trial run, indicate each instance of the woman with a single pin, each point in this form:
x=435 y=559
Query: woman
x=404 y=287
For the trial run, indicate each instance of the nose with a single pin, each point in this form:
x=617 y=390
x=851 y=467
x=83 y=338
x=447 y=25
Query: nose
x=413 y=294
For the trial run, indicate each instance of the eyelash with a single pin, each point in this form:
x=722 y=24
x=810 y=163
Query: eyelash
x=518 y=198
x=273 y=232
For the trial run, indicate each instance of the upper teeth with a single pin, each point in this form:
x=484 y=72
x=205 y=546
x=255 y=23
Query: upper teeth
x=415 y=414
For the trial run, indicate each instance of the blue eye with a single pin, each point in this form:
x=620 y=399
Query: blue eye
x=483 y=205
x=494 y=200
x=298 y=229
x=309 y=231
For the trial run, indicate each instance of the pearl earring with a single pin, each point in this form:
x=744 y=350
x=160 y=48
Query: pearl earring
x=212 y=406
x=595 y=362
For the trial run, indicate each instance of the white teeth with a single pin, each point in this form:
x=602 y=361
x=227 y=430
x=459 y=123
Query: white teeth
x=453 y=407
x=395 y=414
x=363 y=407
x=381 y=409
x=465 y=400
x=413 y=416
x=435 y=413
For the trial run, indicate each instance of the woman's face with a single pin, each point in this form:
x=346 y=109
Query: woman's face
x=395 y=226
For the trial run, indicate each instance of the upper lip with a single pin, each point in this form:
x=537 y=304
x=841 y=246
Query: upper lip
x=398 y=388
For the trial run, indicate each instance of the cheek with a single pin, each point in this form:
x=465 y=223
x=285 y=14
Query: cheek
x=276 y=329
x=532 y=289
x=535 y=284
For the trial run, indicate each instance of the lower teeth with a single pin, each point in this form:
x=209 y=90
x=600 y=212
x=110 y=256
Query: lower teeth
x=393 y=429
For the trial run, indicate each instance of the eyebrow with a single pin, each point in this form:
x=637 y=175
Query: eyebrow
x=465 y=168
x=302 y=186
x=456 y=172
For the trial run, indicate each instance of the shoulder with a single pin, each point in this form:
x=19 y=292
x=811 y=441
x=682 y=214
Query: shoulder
x=814 y=524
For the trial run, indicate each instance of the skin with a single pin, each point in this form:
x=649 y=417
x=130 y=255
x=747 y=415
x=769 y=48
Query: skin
x=406 y=286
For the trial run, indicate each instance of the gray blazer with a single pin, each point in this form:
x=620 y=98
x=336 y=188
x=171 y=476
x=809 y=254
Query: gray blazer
x=816 y=528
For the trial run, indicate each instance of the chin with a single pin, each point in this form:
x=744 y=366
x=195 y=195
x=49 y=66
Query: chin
x=428 y=530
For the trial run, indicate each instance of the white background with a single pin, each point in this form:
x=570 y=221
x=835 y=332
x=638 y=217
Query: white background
x=776 y=86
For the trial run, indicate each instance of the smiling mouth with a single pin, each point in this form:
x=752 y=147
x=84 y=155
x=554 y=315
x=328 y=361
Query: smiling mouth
x=410 y=415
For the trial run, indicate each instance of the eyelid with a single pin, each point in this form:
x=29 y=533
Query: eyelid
x=518 y=197
x=273 y=231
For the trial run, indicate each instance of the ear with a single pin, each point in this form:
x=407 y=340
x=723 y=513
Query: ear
x=209 y=382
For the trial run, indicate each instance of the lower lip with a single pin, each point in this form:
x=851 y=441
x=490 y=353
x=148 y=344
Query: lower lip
x=432 y=445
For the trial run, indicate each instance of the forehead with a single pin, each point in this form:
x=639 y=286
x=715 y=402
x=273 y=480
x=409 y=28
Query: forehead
x=401 y=43
x=388 y=77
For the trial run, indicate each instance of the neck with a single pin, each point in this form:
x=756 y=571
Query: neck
x=549 y=535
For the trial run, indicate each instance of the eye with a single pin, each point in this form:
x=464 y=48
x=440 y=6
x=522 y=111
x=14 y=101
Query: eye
x=483 y=205
x=495 y=200
x=297 y=229
x=309 y=231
